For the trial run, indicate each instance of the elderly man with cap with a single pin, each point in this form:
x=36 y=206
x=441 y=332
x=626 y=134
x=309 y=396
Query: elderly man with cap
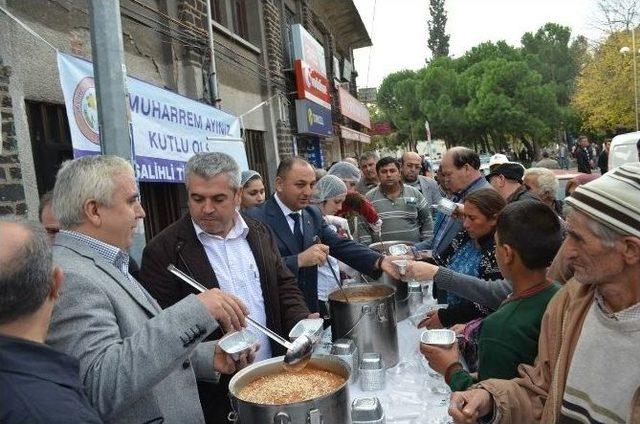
x=586 y=369
x=507 y=180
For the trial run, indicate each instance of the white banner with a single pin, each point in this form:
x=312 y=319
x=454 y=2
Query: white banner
x=167 y=128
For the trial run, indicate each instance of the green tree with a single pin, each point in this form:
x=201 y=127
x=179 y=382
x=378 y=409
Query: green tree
x=438 y=41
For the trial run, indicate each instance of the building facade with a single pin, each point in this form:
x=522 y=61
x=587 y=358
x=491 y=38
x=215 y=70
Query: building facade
x=165 y=43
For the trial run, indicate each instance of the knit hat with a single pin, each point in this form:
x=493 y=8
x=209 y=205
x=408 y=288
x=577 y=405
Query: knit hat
x=613 y=199
x=247 y=175
x=510 y=170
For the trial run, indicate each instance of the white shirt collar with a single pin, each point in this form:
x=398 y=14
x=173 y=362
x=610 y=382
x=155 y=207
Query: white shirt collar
x=240 y=229
x=285 y=209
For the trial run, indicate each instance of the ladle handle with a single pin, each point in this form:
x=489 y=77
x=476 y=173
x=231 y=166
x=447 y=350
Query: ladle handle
x=317 y=240
x=193 y=283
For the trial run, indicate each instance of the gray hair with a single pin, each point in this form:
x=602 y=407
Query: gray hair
x=209 y=165
x=83 y=179
x=547 y=180
x=368 y=155
x=25 y=273
x=607 y=235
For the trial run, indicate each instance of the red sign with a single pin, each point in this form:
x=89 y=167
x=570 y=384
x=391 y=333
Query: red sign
x=312 y=85
x=353 y=108
x=381 y=128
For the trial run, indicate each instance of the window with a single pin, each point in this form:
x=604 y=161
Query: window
x=256 y=155
x=216 y=11
x=50 y=141
x=240 y=25
x=288 y=38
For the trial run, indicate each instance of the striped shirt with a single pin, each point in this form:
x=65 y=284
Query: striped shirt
x=406 y=217
x=115 y=256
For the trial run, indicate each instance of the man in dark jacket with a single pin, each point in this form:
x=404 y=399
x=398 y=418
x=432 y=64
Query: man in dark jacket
x=220 y=248
x=583 y=157
x=603 y=159
x=507 y=180
x=37 y=383
x=303 y=237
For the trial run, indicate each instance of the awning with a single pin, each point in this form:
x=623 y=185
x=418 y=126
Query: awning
x=350 y=134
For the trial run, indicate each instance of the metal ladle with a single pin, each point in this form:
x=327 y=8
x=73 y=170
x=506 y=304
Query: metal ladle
x=298 y=352
x=317 y=240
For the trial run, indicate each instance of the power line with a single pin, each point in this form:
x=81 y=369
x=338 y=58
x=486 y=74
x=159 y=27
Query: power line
x=373 y=20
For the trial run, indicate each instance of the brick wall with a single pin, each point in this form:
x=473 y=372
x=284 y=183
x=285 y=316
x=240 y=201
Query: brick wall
x=194 y=14
x=12 y=199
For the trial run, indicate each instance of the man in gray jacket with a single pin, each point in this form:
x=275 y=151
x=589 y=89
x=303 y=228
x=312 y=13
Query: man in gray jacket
x=411 y=164
x=139 y=363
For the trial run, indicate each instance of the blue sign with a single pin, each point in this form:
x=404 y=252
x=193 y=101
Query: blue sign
x=313 y=118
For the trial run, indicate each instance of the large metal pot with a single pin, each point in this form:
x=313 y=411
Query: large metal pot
x=401 y=287
x=328 y=409
x=368 y=318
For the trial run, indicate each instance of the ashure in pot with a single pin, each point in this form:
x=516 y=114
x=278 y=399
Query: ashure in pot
x=265 y=393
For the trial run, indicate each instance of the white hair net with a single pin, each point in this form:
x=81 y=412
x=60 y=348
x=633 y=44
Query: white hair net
x=345 y=171
x=327 y=188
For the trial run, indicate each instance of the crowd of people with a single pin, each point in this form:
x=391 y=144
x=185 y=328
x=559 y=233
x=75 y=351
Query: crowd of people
x=537 y=290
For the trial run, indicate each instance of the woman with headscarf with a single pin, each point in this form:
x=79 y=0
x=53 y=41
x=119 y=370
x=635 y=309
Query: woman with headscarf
x=252 y=189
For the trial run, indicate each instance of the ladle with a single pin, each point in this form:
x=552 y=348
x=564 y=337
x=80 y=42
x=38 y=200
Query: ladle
x=298 y=352
x=317 y=240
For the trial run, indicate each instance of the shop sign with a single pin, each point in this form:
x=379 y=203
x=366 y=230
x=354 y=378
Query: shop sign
x=351 y=134
x=353 y=108
x=306 y=47
x=312 y=85
x=313 y=118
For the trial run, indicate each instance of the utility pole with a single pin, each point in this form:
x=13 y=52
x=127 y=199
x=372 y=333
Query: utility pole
x=109 y=72
x=213 y=76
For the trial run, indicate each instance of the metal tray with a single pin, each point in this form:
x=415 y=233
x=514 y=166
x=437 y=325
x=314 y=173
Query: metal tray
x=441 y=337
x=235 y=344
x=367 y=410
x=312 y=327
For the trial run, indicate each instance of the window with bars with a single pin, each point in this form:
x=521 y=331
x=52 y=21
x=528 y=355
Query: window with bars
x=256 y=154
x=50 y=141
x=240 y=25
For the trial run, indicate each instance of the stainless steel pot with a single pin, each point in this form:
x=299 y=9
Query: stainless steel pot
x=401 y=287
x=369 y=319
x=328 y=409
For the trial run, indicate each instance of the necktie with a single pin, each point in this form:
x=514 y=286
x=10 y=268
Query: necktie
x=297 y=230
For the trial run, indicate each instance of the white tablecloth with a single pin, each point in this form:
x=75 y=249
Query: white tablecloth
x=413 y=394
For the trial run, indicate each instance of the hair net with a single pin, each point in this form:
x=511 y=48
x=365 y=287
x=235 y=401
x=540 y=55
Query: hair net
x=328 y=187
x=247 y=175
x=345 y=171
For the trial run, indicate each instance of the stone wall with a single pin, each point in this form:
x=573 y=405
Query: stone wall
x=12 y=198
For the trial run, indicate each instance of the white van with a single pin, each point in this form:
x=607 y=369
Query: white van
x=623 y=149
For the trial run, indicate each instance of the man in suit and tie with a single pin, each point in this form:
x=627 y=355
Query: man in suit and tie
x=138 y=363
x=303 y=237
x=220 y=248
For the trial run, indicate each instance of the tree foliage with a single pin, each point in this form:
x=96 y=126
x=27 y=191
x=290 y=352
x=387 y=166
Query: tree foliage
x=493 y=97
x=604 y=97
x=438 y=41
